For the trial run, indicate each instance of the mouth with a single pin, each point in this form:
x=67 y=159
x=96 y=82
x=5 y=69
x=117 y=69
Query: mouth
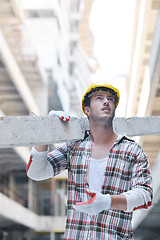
x=106 y=109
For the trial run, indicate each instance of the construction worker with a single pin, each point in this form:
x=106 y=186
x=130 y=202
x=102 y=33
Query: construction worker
x=108 y=175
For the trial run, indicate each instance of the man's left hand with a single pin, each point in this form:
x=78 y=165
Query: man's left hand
x=95 y=205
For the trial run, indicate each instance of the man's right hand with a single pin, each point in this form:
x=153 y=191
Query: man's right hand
x=62 y=115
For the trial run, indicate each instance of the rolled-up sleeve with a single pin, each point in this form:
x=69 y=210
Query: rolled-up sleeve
x=58 y=159
x=140 y=195
x=44 y=165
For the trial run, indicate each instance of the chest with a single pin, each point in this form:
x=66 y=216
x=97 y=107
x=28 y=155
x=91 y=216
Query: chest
x=117 y=173
x=115 y=177
x=99 y=152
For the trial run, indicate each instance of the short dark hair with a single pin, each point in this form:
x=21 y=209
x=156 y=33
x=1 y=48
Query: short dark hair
x=86 y=101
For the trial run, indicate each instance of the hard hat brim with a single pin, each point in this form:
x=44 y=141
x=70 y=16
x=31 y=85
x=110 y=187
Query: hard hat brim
x=105 y=88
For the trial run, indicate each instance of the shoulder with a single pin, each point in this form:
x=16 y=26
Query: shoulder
x=130 y=144
x=79 y=144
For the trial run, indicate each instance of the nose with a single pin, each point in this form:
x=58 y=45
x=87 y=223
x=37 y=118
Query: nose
x=106 y=101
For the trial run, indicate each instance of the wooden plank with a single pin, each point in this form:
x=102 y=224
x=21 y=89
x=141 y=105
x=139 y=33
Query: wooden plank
x=29 y=131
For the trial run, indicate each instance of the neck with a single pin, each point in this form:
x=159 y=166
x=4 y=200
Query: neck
x=102 y=134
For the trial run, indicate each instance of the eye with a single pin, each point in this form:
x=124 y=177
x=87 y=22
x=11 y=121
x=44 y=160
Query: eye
x=99 y=98
x=110 y=99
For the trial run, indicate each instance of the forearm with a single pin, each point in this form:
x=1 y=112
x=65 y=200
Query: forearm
x=131 y=200
x=41 y=148
x=137 y=198
x=118 y=202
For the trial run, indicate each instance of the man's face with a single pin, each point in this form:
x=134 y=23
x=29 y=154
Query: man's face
x=102 y=107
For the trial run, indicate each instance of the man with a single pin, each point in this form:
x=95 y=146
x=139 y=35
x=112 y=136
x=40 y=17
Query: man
x=108 y=175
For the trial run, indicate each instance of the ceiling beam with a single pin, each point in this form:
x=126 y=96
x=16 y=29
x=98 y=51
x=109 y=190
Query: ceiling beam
x=18 y=11
x=38 y=223
x=17 y=76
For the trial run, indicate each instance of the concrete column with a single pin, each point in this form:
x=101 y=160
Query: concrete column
x=30 y=195
x=4 y=235
x=63 y=206
x=11 y=187
x=52 y=210
x=56 y=201
x=52 y=236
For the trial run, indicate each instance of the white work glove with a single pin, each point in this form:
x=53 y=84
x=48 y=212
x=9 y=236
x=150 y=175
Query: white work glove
x=62 y=115
x=95 y=205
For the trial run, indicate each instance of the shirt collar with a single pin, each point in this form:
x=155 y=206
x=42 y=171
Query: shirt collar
x=120 y=137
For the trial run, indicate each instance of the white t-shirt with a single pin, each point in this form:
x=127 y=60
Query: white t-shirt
x=96 y=172
x=136 y=197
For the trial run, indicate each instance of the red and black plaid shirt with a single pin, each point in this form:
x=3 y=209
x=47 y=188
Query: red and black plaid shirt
x=127 y=168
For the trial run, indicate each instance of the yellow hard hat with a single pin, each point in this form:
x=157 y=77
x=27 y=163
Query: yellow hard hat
x=105 y=88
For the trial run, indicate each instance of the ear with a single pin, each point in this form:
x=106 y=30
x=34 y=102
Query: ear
x=87 y=110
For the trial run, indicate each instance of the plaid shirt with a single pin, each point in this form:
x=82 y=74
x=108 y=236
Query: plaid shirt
x=127 y=168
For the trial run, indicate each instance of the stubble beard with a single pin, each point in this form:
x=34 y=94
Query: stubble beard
x=105 y=122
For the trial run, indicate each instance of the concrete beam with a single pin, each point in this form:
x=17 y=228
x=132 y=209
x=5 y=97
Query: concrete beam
x=29 y=131
x=28 y=218
x=17 y=76
x=137 y=126
x=23 y=152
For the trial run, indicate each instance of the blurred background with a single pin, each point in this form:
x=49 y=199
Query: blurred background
x=50 y=52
